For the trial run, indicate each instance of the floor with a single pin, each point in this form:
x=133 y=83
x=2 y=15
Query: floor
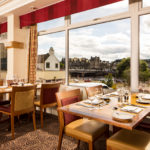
x=41 y=139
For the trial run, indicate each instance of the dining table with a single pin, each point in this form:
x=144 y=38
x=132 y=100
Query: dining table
x=105 y=112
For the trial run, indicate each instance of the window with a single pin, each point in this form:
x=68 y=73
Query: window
x=99 y=52
x=51 y=24
x=51 y=48
x=56 y=65
x=146 y=3
x=47 y=65
x=144 y=71
x=99 y=12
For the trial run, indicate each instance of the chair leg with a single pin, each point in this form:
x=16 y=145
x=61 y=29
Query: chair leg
x=78 y=145
x=90 y=146
x=41 y=111
x=60 y=139
x=12 y=126
x=34 y=120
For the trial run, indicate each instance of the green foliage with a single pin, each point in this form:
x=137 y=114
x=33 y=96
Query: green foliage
x=143 y=66
x=109 y=80
x=122 y=66
x=123 y=70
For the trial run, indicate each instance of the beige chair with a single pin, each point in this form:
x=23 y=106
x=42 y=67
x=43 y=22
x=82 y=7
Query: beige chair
x=91 y=91
x=22 y=102
x=129 y=140
x=47 y=98
x=74 y=126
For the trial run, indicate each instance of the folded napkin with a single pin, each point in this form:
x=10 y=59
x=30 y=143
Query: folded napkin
x=132 y=109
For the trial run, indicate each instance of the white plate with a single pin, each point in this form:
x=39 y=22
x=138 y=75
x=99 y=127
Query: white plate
x=143 y=101
x=122 y=116
x=146 y=96
x=3 y=87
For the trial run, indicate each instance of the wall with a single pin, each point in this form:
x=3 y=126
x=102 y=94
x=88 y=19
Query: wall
x=52 y=60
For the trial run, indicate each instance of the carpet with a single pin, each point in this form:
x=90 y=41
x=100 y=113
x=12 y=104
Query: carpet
x=41 y=139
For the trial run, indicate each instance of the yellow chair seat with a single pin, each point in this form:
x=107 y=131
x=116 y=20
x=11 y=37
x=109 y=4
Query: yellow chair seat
x=129 y=140
x=84 y=129
x=37 y=103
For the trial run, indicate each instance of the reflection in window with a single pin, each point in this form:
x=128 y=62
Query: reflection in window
x=51 y=56
x=51 y=24
x=103 y=11
x=144 y=74
x=146 y=3
x=101 y=53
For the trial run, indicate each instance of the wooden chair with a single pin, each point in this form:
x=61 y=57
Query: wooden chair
x=74 y=126
x=1 y=84
x=129 y=140
x=22 y=102
x=91 y=91
x=47 y=98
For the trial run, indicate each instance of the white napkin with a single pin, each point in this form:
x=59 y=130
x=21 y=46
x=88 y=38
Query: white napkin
x=132 y=109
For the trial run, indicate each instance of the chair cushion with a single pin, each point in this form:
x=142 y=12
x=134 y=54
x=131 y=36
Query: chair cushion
x=84 y=129
x=68 y=117
x=5 y=108
x=129 y=140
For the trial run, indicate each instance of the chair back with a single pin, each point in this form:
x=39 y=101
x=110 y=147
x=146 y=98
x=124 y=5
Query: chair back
x=48 y=93
x=91 y=91
x=65 y=98
x=1 y=82
x=22 y=99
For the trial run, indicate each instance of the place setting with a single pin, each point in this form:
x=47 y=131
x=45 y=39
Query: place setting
x=143 y=98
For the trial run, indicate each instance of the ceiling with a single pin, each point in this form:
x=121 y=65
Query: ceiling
x=20 y=7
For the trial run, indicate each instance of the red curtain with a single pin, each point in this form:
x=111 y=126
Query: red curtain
x=3 y=27
x=61 y=9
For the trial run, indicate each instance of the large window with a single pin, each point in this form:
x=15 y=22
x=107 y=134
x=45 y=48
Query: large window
x=100 y=52
x=144 y=71
x=51 y=57
x=51 y=24
x=146 y=3
x=107 y=10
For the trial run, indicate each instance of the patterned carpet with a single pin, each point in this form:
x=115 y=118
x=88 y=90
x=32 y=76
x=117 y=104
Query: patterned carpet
x=41 y=139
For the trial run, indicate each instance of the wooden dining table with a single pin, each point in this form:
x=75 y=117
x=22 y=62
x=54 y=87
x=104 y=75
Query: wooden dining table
x=104 y=113
x=8 y=89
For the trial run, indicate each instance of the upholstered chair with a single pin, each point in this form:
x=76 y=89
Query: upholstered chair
x=75 y=126
x=129 y=140
x=22 y=102
x=47 y=98
x=91 y=91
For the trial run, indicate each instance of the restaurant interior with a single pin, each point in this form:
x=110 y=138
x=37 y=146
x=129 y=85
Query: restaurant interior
x=74 y=74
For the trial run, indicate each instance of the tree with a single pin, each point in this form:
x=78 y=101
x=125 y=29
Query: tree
x=109 y=81
x=123 y=70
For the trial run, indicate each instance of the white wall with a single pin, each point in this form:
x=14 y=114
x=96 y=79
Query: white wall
x=52 y=60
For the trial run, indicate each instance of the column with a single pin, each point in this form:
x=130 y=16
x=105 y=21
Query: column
x=17 y=58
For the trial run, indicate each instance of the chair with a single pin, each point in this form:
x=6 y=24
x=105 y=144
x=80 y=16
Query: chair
x=129 y=140
x=74 y=126
x=22 y=102
x=47 y=98
x=1 y=84
x=91 y=91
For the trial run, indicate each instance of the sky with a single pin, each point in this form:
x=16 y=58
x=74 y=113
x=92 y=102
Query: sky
x=109 y=41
